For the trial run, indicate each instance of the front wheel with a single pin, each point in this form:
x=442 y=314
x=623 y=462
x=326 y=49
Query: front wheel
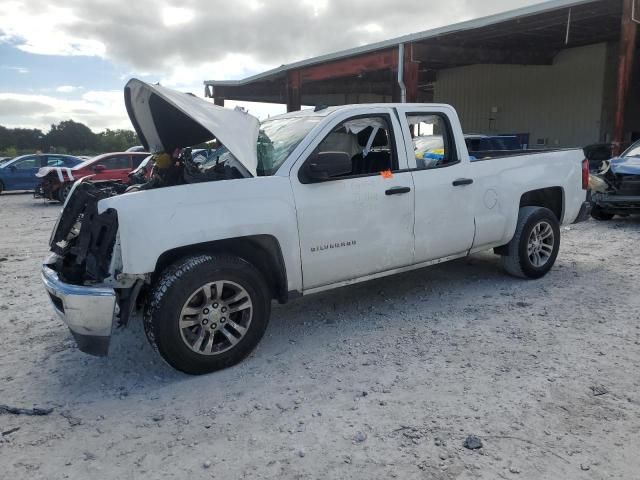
x=534 y=247
x=207 y=312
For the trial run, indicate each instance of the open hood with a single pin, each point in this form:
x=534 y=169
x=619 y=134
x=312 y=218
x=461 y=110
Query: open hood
x=165 y=119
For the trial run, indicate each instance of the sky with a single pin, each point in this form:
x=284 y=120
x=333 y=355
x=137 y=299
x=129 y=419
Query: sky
x=70 y=59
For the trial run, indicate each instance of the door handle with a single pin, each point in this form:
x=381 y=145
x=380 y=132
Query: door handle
x=397 y=191
x=462 y=181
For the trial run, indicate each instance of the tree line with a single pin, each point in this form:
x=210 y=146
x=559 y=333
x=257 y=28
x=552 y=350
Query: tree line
x=65 y=137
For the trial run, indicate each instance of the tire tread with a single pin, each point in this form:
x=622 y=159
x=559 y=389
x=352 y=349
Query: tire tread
x=511 y=262
x=169 y=279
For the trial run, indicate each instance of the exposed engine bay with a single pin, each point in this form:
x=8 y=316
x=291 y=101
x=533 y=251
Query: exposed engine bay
x=180 y=168
x=84 y=239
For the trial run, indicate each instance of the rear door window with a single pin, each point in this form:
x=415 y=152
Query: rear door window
x=136 y=160
x=116 y=162
x=53 y=161
x=432 y=140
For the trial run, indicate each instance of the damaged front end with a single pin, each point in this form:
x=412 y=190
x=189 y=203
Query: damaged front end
x=84 y=239
x=79 y=274
x=84 y=275
x=615 y=188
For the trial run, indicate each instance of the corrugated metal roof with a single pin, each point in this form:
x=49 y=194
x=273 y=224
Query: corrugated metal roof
x=536 y=9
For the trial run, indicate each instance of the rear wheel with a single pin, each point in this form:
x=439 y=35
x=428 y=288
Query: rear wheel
x=63 y=192
x=1 y=188
x=207 y=313
x=534 y=247
x=602 y=215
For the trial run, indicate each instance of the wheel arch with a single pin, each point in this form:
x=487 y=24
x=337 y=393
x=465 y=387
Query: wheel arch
x=262 y=251
x=549 y=197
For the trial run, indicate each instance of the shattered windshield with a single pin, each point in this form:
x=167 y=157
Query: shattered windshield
x=278 y=138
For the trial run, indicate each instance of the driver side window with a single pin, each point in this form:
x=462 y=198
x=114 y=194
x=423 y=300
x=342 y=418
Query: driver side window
x=368 y=141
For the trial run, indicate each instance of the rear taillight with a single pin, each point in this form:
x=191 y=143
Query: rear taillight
x=585 y=174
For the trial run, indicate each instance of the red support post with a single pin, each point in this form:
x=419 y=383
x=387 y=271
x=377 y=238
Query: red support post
x=293 y=91
x=628 y=36
x=410 y=75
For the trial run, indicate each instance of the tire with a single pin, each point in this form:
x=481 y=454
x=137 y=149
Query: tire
x=175 y=315
x=598 y=214
x=1 y=188
x=63 y=192
x=518 y=260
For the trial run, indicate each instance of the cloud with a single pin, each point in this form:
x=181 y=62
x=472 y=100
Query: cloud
x=22 y=107
x=174 y=16
x=21 y=70
x=97 y=109
x=163 y=37
x=38 y=27
x=67 y=89
x=180 y=43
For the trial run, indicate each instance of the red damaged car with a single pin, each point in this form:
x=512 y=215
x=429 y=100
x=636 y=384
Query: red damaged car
x=57 y=181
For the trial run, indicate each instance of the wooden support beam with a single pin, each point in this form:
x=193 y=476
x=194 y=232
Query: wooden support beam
x=454 y=55
x=628 y=36
x=351 y=66
x=293 y=91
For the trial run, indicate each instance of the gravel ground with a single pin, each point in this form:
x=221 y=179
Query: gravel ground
x=378 y=380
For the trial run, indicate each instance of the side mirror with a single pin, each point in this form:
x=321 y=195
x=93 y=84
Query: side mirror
x=325 y=165
x=99 y=168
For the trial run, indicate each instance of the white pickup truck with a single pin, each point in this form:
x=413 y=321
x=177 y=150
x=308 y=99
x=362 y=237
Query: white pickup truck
x=300 y=203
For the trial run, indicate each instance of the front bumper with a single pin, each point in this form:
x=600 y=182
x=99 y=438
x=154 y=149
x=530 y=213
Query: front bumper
x=87 y=311
x=615 y=201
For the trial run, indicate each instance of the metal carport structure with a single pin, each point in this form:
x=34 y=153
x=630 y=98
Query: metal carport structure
x=406 y=68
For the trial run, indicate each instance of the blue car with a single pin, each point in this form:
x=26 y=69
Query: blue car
x=20 y=172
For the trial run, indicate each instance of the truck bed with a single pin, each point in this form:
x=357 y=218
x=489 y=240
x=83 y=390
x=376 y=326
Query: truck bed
x=493 y=154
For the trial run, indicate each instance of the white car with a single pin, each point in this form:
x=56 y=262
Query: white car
x=301 y=203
